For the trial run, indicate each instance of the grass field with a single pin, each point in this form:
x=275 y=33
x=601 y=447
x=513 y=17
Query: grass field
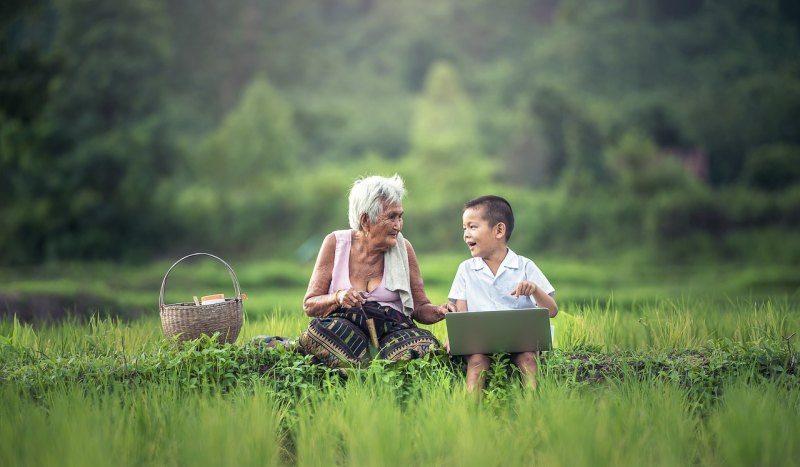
x=622 y=283
x=648 y=370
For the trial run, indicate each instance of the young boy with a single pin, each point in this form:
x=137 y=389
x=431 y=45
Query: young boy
x=497 y=278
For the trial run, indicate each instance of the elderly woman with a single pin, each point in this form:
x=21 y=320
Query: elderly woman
x=366 y=290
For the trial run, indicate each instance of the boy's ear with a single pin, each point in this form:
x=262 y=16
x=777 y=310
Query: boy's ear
x=500 y=230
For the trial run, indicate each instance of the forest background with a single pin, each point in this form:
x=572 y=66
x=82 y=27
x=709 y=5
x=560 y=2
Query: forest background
x=662 y=130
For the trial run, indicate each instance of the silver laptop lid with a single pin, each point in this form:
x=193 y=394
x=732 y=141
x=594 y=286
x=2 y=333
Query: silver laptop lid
x=499 y=331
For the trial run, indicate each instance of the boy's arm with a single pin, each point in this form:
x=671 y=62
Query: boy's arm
x=545 y=300
x=539 y=296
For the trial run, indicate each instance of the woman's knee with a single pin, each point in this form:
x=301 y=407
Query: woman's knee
x=336 y=342
x=407 y=344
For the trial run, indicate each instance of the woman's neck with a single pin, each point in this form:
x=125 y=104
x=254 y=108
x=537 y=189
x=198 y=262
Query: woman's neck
x=370 y=252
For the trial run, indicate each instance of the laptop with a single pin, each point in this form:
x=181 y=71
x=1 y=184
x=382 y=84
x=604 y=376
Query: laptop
x=499 y=331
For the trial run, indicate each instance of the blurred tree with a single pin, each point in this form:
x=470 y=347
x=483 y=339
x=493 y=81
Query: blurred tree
x=106 y=145
x=772 y=167
x=443 y=127
x=25 y=65
x=573 y=142
x=528 y=160
x=25 y=71
x=255 y=142
x=642 y=170
x=748 y=56
x=24 y=209
x=91 y=116
x=445 y=167
x=219 y=48
x=717 y=75
x=241 y=180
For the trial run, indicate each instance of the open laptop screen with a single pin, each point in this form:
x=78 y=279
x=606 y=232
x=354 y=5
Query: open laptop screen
x=499 y=331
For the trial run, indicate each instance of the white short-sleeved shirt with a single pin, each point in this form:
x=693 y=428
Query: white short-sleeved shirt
x=483 y=291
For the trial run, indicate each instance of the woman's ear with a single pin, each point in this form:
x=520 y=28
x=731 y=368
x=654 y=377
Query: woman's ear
x=363 y=221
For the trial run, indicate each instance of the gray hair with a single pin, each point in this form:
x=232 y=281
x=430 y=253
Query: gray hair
x=368 y=195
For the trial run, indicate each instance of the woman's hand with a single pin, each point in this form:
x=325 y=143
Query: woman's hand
x=524 y=288
x=442 y=310
x=351 y=298
x=429 y=313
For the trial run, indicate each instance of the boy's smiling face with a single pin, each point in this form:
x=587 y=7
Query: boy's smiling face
x=482 y=239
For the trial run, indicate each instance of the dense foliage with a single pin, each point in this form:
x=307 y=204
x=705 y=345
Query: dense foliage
x=682 y=384
x=206 y=364
x=132 y=128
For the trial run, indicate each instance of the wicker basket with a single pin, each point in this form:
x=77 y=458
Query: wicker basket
x=185 y=321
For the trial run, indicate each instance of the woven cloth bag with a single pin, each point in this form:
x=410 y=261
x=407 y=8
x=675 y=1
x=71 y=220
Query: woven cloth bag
x=185 y=321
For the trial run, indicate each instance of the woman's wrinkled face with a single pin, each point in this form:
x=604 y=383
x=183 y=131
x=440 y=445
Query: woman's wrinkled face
x=389 y=224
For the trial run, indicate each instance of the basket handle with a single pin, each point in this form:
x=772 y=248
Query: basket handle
x=230 y=270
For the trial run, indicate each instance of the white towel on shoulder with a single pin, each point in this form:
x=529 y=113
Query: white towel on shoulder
x=398 y=275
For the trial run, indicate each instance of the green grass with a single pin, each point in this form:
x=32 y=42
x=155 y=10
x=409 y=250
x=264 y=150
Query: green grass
x=147 y=426
x=363 y=423
x=662 y=325
x=647 y=371
x=132 y=291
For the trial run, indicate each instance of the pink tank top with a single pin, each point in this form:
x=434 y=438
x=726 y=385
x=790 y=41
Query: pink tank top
x=341 y=274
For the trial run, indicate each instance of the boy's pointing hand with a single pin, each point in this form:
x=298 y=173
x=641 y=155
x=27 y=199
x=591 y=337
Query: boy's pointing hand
x=524 y=288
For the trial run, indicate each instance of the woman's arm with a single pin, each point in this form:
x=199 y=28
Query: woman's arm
x=318 y=302
x=424 y=311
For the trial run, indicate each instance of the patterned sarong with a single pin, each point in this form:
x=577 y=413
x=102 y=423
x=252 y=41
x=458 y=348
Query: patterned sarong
x=341 y=339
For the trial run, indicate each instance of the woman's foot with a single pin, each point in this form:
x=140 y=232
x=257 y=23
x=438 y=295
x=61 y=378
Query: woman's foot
x=274 y=341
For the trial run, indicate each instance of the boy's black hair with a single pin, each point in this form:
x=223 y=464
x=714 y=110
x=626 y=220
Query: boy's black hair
x=496 y=210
